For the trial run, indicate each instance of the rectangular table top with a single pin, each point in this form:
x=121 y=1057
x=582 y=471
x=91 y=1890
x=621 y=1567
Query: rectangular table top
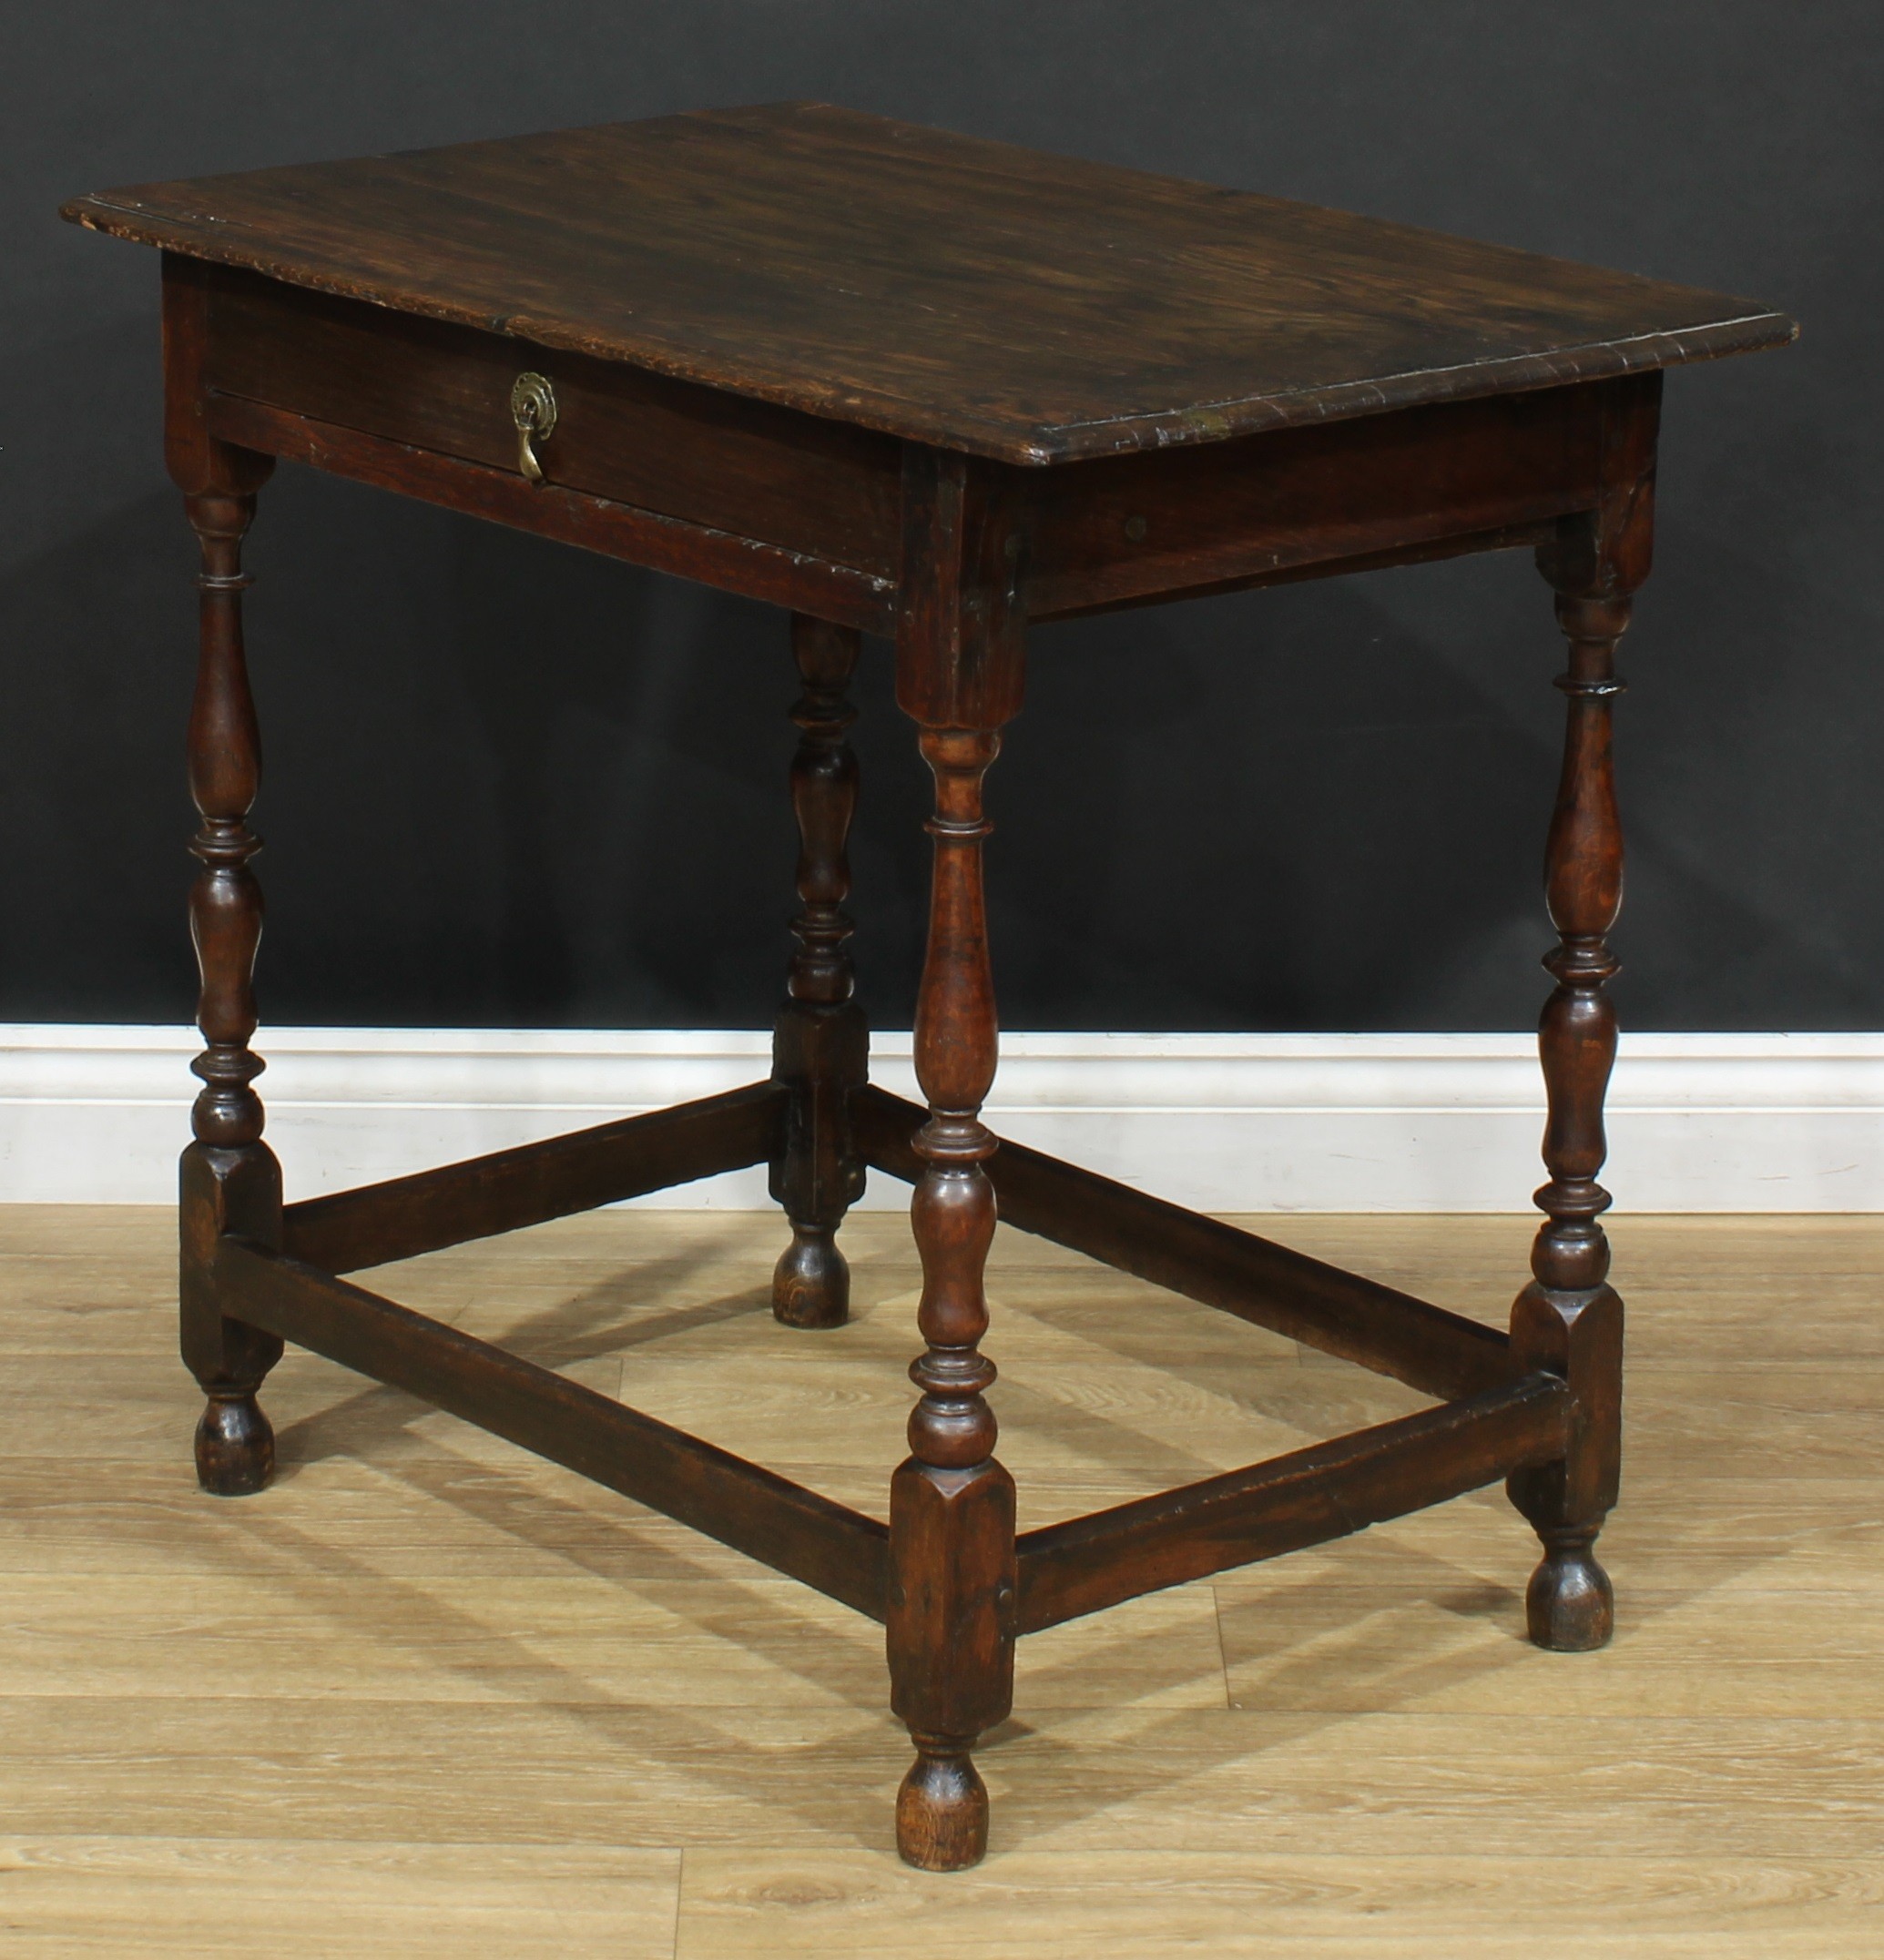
x=961 y=293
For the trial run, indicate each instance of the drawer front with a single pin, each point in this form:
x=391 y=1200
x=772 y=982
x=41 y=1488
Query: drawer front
x=706 y=457
x=1117 y=529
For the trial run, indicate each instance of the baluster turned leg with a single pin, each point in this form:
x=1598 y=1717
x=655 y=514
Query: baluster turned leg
x=822 y=1043
x=231 y=1180
x=1569 y=1319
x=952 y=1505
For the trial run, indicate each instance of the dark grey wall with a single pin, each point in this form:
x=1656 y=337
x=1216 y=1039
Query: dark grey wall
x=509 y=785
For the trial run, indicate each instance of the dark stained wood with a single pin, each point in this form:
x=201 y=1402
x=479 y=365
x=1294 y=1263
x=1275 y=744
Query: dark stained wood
x=1569 y=1319
x=951 y=1632
x=225 y=772
x=221 y=1191
x=820 y=1046
x=1217 y=561
x=798 y=481
x=779 y=1523
x=669 y=475
x=1508 y=537
x=961 y=625
x=374 y=1224
x=720 y=558
x=230 y=1178
x=964 y=294
x=1203 y=1259
x=902 y=382
x=1107 y=533
x=952 y=1503
x=1328 y=1491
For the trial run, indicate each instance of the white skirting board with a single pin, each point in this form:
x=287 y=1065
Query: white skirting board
x=1233 y=1123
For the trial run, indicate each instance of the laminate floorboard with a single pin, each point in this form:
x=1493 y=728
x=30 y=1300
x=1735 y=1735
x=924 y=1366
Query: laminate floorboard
x=429 y=1695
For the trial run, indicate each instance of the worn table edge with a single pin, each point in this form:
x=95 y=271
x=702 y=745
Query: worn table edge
x=1047 y=444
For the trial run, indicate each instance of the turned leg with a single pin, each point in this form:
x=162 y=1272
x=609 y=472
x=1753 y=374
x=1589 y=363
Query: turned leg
x=952 y=1505
x=1569 y=1320
x=231 y=1180
x=820 y=1044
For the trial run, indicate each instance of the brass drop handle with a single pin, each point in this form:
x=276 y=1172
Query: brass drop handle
x=532 y=407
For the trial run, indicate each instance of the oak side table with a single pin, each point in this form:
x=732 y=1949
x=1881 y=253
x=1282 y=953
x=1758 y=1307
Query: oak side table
x=905 y=382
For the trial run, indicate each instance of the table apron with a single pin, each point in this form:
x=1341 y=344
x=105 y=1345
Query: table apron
x=806 y=512
x=1412 y=483
x=722 y=559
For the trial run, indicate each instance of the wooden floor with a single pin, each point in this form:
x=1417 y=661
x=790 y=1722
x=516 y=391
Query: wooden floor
x=429 y=1697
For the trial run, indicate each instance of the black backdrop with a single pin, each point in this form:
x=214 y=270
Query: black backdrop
x=508 y=785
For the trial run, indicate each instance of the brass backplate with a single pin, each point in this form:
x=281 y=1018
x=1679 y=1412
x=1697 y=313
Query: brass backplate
x=532 y=407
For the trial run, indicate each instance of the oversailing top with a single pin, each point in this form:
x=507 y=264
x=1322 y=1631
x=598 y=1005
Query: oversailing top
x=957 y=293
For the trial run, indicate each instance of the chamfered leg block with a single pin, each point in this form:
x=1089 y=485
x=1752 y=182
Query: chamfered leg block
x=821 y=1045
x=235 y=1191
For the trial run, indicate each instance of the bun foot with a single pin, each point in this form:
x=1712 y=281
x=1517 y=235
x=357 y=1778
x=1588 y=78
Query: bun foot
x=942 y=1810
x=235 y=1445
x=811 y=1282
x=1570 y=1605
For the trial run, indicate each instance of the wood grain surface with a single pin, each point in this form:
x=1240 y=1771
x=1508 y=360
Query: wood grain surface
x=957 y=293
x=430 y=1694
